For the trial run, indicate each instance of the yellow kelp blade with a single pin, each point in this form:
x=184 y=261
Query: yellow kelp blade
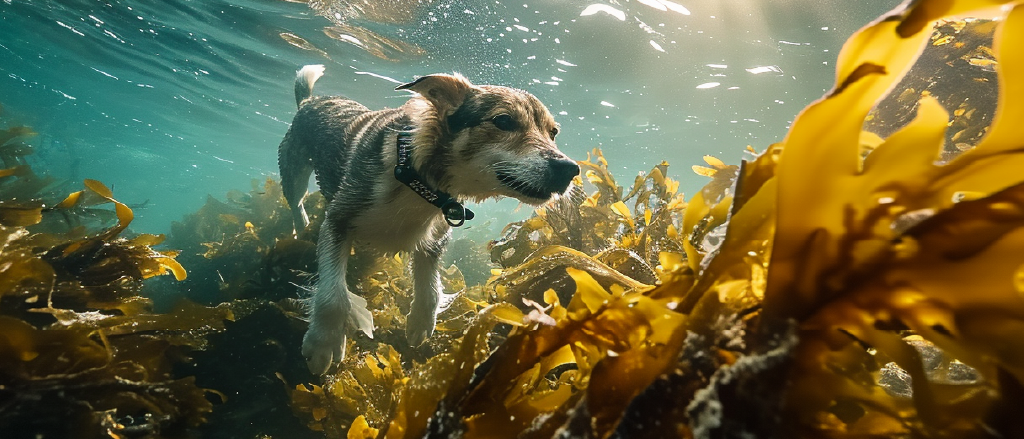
x=864 y=250
x=821 y=160
x=124 y=214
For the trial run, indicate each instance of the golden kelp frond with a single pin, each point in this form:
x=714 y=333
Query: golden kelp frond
x=100 y=194
x=545 y=272
x=595 y=169
x=900 y=242
x=707 y=211
x=588 y=357
x=12 y=152
x=82 y=353
x=896 y=176
x=367 y=389
x=21 y=191
x=442 y=380
x=80 y=268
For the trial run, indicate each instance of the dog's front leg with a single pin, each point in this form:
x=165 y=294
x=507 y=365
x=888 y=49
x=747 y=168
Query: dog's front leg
x=325 y=339
x=426 y=261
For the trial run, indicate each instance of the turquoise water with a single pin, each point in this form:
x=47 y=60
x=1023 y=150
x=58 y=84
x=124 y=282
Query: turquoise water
x=171 y=100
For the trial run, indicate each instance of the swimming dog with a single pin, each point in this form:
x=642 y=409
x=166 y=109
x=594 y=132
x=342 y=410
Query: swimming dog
x=396 y=179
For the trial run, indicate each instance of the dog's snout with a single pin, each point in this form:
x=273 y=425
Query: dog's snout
x=562 y=173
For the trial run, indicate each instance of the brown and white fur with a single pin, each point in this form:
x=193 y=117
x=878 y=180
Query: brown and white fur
x=472 y=141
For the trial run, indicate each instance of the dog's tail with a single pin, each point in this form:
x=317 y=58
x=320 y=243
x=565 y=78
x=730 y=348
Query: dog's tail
x=304 y=80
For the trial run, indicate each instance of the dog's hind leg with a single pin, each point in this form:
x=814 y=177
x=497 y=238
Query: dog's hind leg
x=426 y=261
x=334 y=308
x=296 y=167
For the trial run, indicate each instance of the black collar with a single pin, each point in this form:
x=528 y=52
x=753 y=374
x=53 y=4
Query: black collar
x=455 y=214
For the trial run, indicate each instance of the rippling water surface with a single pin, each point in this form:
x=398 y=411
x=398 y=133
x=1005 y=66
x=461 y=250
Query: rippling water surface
x=171 y=100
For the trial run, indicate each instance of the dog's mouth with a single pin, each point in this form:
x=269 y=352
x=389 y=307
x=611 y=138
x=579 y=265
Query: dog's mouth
x=524 y=187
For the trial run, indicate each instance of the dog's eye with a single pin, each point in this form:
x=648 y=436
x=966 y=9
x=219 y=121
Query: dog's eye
x=504 y=122
x=554 y=132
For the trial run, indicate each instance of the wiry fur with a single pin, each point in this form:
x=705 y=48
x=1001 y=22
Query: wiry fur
x=474 y=142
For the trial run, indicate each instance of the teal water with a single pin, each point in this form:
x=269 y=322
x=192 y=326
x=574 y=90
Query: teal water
x=171 y=100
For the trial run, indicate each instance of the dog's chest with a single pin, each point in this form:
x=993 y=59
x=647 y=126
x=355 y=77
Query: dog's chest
x=398 y=223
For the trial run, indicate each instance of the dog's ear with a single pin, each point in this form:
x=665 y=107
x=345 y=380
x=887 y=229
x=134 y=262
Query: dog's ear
x=445 y=92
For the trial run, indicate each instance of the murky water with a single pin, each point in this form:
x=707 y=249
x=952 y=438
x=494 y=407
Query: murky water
x=170 y=101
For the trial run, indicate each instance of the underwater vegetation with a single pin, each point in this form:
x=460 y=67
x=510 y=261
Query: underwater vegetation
x=81 y=353
x=242 y=248
x=861 y=278
x=957 y=67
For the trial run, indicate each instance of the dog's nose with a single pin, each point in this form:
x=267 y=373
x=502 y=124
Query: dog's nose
x=562 y=173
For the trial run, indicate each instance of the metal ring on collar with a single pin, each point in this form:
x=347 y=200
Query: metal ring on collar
x=454 y=213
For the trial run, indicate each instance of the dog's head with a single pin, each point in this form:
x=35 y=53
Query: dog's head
x=486 y=141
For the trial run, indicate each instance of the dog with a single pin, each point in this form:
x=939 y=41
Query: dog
x=396 y=179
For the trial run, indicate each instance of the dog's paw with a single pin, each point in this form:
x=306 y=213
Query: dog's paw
x=322 y=348
x=419 y=328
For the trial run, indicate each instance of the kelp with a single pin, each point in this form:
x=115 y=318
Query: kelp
x=902 y=242
x=247 y=364
x=958 y=68
x=243 y=248
x=63 y=382
x=81 y=352
x=629 y=240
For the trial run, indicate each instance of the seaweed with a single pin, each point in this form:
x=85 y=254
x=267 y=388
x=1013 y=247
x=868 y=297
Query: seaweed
x=958 y=68
x=248 y=364
x=903 y=241
x=81 y=352
x=628 y=240
x=243 y=248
